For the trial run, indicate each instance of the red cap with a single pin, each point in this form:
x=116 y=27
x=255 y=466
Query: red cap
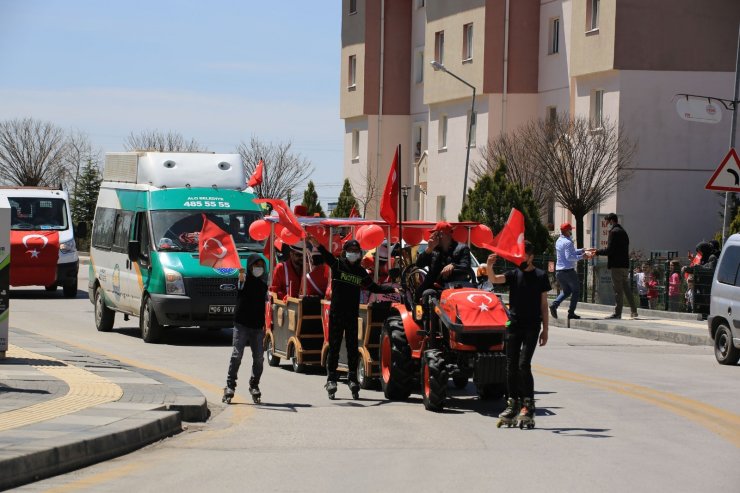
x=443 y=226
x=566 y=226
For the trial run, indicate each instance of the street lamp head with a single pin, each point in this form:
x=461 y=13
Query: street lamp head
x=438 y=66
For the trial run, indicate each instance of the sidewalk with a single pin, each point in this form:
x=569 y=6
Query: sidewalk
x=656 y=325
x=61 y=409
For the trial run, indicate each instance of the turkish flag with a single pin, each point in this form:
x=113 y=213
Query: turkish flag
x=34 y=256
x=256 y=177
x=389 y=202
x=216 y=247
x=354 y=213
x=285 y=216
x=509 y=242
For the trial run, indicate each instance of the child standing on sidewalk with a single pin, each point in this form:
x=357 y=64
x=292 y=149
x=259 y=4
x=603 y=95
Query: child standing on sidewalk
x=249 y=326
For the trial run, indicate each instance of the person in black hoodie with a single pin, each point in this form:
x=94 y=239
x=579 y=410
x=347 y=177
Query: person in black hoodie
x=249 y=326
x=348 y=278
x=618 y=262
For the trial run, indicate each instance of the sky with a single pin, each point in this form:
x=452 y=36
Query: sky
x=217 y=71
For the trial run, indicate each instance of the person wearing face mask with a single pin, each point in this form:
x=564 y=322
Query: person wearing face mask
x=528 y=311
x=617 y=252
x=286 y=279
x=249 y=326
x=317 y=280
x=348 y=278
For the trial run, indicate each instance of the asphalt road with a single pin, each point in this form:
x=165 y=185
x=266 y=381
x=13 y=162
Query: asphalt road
x=614 y=414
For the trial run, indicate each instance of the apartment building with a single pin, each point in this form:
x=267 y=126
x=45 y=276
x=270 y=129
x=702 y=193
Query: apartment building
x=619 y=59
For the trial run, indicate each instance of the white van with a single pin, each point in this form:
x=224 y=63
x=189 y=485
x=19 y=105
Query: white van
x=42 y=244
x=724 y=308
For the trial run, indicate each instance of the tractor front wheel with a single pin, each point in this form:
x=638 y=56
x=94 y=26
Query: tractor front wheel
x=433 y=380
x=396 y=365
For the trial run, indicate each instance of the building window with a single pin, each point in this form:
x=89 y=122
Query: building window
x=419 y=4
x=443 y=132
x=418 y=139
x=592 y=15
x=419 y=72
x=551 y=114
x=473 y=122
x=439 y=47
x=352 y=6
x=597 y=110
x=441 y=208
x=355 y=145
x=467 y=42
x=554 y=37
x=352 y=72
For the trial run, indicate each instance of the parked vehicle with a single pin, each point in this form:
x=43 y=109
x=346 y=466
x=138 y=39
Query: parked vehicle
x=43 y=250
x=724 y=308
x=144 y=257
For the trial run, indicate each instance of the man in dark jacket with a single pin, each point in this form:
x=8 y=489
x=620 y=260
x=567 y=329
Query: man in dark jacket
x=249 y=326
x=618 y=263
x=348 y=277
x=703 y=274
x=447 y=260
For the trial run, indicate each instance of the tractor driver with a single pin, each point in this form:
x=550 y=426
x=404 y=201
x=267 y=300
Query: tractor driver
x=447 y=260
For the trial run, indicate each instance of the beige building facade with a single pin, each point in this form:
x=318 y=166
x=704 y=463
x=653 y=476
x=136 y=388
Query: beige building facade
x=528 y=59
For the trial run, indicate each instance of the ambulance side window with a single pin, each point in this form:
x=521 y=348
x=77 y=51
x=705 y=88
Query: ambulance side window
x=123 y=231
x=141 y=234
x=104 y=228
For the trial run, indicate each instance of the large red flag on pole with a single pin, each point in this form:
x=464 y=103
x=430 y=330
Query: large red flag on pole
x=509 y=242
x=216 y=247
x=285 y=216
x=389 y=202
x=256 y=177
x=353 y=212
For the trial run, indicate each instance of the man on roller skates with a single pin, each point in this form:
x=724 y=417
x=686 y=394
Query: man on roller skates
x=528 y=287
x=249 y=326
x=348 y=277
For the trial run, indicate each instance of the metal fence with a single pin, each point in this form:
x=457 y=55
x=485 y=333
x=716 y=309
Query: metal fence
x=653 y=284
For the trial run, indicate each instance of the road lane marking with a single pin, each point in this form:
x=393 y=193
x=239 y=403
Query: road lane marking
x=719 y=421
x=86 y=389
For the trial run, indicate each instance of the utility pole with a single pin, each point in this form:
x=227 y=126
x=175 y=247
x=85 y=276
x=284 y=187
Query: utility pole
x=733 y=128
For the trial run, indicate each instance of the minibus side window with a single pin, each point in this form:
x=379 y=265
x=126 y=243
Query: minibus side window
x=105 y=219
x=123 y=231
x=141 y=234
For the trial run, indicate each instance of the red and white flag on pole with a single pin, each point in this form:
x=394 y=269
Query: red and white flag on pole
x=285 y=216
x=216 y=247
x=256 y=177
x=509 y=242
x=354 y=213
x=389 y=202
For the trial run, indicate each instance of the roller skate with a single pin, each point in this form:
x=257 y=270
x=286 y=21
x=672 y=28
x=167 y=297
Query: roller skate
x=331 y=388
x=509 y=415
x=254 y=391
x=228 y=395
x=354 y=387
x=526 y=414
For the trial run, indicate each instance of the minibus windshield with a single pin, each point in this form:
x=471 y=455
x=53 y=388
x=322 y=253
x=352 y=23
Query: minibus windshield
x=178 y=230
x=36 y=213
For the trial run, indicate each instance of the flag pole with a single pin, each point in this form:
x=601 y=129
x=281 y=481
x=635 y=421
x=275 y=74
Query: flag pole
x=398 y=215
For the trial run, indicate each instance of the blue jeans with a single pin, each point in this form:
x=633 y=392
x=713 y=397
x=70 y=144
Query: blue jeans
x=569 y=284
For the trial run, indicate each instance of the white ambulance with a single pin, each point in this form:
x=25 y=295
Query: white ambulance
x=42 y=244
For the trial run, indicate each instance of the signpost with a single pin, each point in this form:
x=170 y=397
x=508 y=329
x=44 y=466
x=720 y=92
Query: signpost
x=4 y=274
x=727 y=176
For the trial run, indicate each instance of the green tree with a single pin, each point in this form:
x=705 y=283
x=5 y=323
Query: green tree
x=734 y=226
x=86 y=196
x=311 y=201
x=490 y=201
x=346 y=201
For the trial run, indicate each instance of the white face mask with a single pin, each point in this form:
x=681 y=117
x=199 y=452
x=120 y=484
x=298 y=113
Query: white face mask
x=258 y=271
x=353 y=256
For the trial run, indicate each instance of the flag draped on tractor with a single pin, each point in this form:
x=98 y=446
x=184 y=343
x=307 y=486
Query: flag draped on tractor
x=216 y=247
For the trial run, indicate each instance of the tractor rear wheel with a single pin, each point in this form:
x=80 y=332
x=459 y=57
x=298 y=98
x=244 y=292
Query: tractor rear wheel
x=396 y=365
x=433 y=380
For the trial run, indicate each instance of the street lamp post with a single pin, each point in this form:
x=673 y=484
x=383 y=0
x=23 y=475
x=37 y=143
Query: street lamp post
x=438 y=66
x=405 y=193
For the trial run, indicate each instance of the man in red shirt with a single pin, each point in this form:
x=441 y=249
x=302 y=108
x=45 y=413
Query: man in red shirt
x=286 y=279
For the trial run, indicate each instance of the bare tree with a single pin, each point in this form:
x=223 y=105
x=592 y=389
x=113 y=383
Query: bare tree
x=582 y=165
x=156 y=140
x=365 y=190
x=284 y=170
x=79 y=153
x=32 y=153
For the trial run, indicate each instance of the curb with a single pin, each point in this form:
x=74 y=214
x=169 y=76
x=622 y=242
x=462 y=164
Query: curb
x=27 y=463
x=692 y=317
x=636 y=332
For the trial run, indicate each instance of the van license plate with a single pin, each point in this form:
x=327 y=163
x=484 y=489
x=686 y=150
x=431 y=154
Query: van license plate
x=220 y=309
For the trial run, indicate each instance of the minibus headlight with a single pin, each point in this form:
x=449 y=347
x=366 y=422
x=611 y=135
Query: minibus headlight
x=173 y=282
x=68 y=246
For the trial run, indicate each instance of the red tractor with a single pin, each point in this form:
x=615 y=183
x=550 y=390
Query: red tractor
x=454 y=333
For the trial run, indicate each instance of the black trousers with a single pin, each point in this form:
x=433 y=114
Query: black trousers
x=342 y=325
x=244 y=335
x=520 y=345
